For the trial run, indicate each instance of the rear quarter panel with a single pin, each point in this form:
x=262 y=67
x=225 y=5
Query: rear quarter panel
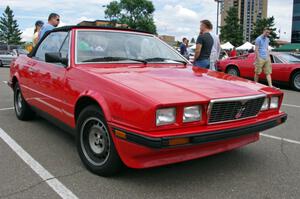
x=282 y=72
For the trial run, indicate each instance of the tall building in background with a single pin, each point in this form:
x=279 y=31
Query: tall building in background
x=249 y=12
x=225 y=5
x=296 y=22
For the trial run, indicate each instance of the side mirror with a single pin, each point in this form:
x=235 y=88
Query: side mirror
x=55 y=57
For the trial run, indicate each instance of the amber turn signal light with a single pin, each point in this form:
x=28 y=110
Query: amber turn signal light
x=178 y=141
x=120 y=134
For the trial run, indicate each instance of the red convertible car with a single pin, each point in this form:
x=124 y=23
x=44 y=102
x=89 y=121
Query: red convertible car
x=285 y=68
x=130 y=99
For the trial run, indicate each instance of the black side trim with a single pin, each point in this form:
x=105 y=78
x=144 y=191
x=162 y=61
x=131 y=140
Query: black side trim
x=54 y=121
x=205 y=137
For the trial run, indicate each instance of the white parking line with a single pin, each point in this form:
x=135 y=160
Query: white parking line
x=54 y=183
x=5 y=109
x=291 y=105
x=280 y=138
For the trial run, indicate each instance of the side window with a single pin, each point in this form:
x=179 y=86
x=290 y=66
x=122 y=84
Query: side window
x=52 y=43
x=276 y=60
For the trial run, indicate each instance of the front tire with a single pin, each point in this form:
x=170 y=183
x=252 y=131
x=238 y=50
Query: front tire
x=233 y=70
x=295 y=81
x=94 y=143
x=22 y=109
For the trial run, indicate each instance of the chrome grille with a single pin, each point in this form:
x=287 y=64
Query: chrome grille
x=225 y=110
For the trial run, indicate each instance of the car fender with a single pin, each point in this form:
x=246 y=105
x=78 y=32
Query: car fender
x=96 y=96
x=14 y=75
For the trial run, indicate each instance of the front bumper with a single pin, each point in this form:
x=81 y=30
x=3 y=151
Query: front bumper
x=140 y=151
x=206 y=137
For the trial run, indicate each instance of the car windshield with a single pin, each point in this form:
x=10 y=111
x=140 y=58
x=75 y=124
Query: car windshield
x=289 y=58
x=108 y=46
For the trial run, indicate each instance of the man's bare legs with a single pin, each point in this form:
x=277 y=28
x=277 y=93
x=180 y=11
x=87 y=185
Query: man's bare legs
x=269 y=79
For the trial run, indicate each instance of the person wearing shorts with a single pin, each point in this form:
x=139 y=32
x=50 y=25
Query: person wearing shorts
x=263 y=61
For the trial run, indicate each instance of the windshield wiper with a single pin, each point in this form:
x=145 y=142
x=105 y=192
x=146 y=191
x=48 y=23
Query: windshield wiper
x=145 y=61
x=155 y=59
x=100 y=59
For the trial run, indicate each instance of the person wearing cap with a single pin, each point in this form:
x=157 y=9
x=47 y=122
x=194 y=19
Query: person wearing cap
x=37 y=29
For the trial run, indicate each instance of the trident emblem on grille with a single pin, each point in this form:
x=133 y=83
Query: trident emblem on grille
x=241 y=110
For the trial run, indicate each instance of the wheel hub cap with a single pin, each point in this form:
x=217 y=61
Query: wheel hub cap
x=18 y=102
x=96 y=140
x=232 y=72
x=297 y=81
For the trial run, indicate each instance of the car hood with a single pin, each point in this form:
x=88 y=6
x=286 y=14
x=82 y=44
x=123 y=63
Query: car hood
x=179 y=85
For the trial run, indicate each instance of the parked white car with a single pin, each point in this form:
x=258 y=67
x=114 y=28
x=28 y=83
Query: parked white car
x=5 y=59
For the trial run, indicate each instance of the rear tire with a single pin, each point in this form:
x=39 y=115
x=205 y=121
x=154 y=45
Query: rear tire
x=1 y=64
x=94 y=143
x=295 y=81
x=22 y=109
x=233 y=70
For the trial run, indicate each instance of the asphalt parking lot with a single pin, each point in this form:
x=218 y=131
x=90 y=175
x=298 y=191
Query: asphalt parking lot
x=267 y=169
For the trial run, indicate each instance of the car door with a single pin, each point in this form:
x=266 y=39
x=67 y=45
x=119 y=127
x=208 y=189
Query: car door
x=279 y=68
x=50 y=77
x=275 y=64
x=246 y=66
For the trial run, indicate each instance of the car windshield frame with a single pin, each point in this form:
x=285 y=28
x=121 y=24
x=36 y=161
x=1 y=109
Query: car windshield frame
x=129 y=61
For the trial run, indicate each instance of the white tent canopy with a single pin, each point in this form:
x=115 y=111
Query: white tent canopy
x=227 y=46
x=246 y=46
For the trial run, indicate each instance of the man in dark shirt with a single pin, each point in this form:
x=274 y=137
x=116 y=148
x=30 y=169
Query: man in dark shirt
x=183 y=49
x=204 y=45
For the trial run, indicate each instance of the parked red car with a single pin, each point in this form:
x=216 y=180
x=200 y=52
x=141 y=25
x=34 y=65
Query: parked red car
x=285 y=68
x=131 y=99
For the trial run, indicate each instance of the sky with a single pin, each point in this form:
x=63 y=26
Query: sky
x=172 y=17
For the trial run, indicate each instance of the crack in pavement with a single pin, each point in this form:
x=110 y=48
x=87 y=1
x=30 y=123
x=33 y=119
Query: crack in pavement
x=40 y=182
x=283 y=153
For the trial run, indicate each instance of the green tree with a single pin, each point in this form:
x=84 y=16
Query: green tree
x=113 y=11
x=137 y=14
x=193 y=40
x=9 y=28
x=232 y=31
x=259 y=28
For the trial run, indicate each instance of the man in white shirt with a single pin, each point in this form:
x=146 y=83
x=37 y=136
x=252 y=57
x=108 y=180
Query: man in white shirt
x=215 y=51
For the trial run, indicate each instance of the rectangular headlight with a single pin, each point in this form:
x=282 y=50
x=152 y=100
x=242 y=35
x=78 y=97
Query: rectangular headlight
x=274 y=104
x=192 y=114
x=265 y=105
x=165 y=116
